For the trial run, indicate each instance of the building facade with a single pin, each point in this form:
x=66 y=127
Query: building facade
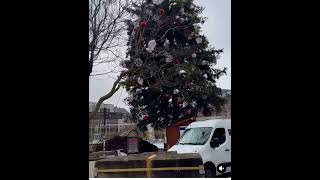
x=107 y=123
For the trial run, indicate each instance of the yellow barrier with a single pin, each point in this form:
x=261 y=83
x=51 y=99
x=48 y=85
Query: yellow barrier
x=149 y=165
x=151 y=169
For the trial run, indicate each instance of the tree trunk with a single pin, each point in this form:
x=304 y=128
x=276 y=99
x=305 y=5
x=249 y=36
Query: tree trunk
x=114 y=89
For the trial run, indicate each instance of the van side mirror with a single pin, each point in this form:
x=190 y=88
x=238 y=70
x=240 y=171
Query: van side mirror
x=214 y=143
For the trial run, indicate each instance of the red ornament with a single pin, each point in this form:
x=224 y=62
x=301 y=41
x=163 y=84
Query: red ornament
x=187 y=31
x=180 y=101
x=144 y=24
x=177 y=61
x=167 y=96
x=162 y=12
x=146 y=117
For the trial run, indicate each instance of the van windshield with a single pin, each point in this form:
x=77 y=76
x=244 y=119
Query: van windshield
x=195 y=136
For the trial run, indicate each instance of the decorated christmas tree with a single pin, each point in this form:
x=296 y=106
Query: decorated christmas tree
x=172 y=75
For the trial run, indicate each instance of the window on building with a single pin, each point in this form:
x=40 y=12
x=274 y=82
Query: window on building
x=229 y=130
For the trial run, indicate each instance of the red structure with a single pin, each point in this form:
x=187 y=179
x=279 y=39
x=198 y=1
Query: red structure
x=173 y=132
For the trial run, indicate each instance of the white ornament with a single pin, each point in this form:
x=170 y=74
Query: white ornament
x=182 y=72
x=182 y=10
x=204 y=63
x=170 y=6
x=140 y=81
x=194 y=55
x=184 y=104
x=205 y=76
x=138 y=62
x=138 y=91
x=149 y=12
x=156 y=18
x=157 y=1
x=169 y=58
x=177 y=17
x=170 y=100
x=141 y=97
x=151 y=45
x=199 y=40
x=176 y=91
x=166 y=43
x=193 y=104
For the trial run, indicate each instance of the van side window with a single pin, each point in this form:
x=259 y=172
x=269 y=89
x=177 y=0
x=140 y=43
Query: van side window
x=229 y=130
x=218 y=137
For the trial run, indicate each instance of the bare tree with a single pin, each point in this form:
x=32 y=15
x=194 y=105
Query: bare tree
x=106 y=31
x=106 y=38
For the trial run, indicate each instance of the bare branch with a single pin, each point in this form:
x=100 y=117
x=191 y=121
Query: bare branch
x=114 y=89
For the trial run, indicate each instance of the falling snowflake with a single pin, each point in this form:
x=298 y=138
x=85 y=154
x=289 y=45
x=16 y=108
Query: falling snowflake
x=199 y=40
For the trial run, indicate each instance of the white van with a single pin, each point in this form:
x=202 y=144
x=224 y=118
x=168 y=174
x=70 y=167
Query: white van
x=212 y=140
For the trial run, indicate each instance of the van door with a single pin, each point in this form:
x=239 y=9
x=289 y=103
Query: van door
x=220 y=148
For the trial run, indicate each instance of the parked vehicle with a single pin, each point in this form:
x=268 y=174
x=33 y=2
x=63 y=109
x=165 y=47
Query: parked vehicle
x=212 y=140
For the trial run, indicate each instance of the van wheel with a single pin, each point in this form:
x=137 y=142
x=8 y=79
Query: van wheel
x=210 y=172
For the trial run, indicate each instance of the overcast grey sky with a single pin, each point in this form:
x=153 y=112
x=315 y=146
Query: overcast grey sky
x=217 y=29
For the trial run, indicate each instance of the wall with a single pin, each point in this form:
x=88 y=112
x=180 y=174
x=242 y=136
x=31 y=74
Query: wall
x=173 y=134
